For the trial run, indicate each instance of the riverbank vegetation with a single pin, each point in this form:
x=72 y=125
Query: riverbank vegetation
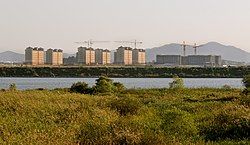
x=89 y=115
x=125 y=72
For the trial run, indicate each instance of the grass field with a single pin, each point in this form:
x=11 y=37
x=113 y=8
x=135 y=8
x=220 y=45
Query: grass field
x=153 y=116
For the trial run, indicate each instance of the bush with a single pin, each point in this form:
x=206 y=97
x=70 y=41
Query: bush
x=246 y=81
x=178 y=123
x=119 y=87
x=104 y=85
x=12 y=87
x=177 y=83
x=227 y=126
x=80 y=87
x=125 y=105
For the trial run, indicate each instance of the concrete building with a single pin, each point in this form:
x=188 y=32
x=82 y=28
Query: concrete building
x=138 y=56
x=69 y=61
x=169 y=59
x=34 y=56
x=54 y=57
x=123 y=56
x=192 y=60
x=85 y=56
x=102 y=56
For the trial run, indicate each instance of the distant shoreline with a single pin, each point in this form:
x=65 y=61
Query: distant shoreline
x=123 y=72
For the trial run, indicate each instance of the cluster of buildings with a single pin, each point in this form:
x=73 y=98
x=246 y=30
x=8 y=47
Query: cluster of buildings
x=191 y=60
x=37 y=56
x=85 y=56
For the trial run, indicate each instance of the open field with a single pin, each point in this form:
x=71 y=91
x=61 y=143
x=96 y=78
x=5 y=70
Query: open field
x=155 y=116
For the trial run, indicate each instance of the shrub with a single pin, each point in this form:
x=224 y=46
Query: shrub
x=119 y=87
x=246 y=81
x=12 y=87
x=177 y=83
x=178 y=123
x=226 y=87
x=125 y=105
x=226 y=125
x=104 y=85
x=80 y=87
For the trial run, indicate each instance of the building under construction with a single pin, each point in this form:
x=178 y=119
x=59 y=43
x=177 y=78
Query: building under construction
x=102 y=56
x=34 y=56
x=191 y=60
x=139 y=56
x=85 y=56
x=54 y=57
x=129 y=56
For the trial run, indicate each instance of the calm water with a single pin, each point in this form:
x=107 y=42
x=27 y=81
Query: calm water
x=51 y=83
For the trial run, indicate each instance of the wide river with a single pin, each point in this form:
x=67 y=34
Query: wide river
x=51 y=83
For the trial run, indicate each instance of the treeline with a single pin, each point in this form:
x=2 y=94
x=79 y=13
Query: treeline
x=124 y=72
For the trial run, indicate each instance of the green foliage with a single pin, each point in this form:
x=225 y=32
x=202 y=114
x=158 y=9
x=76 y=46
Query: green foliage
x=12 y=87
x=178 y=123
x=246 y=81
x=119 y=87
x=228 y=126
x=80 y=87
x=125 y=105
x=104 y=85
x=142 y=116
x=177 y=83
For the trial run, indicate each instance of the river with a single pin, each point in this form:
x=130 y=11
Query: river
x=51 y=83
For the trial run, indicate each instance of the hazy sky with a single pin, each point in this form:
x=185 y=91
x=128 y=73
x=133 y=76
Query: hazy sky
x=60 y=23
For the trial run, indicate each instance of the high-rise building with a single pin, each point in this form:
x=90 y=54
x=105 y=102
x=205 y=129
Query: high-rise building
x=102 y=56
x=139 y=56
x=54 y=57
x=86 y=56
x=123 y=56
x=34 y=56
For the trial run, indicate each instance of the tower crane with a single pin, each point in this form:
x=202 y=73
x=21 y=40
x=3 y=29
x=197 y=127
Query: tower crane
x=135 y=42
x=195 y=48
x=184 y=46
x=91 y=42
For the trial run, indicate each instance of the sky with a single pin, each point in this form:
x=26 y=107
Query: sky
x=60 y=23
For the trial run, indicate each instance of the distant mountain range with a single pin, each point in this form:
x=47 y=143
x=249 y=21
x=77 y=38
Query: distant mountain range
x=211 y=48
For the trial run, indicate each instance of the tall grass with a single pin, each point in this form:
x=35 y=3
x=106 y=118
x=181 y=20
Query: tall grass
x=146 y=116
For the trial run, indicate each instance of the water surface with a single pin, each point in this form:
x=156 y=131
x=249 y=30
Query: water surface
x=51 y=83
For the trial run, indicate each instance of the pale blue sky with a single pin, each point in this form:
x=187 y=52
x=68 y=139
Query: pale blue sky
x=59 y=23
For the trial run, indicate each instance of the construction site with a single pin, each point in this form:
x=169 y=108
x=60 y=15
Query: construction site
x=189 y=60
x=87 y=55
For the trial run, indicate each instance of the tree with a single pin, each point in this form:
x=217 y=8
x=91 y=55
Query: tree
x=104 y=85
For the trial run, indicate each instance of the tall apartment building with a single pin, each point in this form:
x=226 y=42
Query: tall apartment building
x=123 y=56
x=102 y=56
x=54 y=57
x=34 y=56
x=85 y=56
x=139 y=56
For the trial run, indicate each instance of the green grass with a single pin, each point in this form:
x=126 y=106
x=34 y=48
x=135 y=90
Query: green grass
x=147 y=116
